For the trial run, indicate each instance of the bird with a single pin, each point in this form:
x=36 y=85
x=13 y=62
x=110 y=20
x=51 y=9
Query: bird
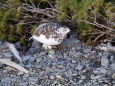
x=50 y=34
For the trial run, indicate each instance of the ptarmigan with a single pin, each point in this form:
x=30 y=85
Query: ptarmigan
x=50 y=34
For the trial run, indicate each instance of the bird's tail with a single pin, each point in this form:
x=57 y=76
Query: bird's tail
x=30 y=40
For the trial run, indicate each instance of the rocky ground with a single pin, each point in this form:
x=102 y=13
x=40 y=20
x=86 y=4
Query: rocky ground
x=75 y=65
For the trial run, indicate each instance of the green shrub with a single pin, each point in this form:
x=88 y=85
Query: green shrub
x=17 y=24
x=12 y=28
x=86 y=10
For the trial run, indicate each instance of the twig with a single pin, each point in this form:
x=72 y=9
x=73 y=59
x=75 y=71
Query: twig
x=38 y=10
x=96 y=24
x=102 y=34
x=32 y=4
x=14 y=50
x=13 y=64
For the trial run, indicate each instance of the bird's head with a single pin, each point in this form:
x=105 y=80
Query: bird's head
x=64 y=30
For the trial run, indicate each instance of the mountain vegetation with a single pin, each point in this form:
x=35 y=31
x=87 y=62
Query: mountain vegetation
x=94 y=20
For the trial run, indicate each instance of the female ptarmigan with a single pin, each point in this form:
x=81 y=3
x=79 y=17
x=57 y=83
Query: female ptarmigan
x=50 y=34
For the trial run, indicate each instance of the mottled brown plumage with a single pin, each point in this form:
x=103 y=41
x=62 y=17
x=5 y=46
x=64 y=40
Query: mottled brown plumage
x=47 y=29
x=50 y=34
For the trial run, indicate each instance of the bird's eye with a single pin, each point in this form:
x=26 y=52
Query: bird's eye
x=65 y=30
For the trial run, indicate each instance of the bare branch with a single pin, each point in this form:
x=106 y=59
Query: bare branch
x=13 y=64
x=96 y=24
x=48 y=12
x=14 y=50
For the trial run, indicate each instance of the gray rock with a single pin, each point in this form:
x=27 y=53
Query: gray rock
x=83 y=77
x=29 y=58
x=103 y=71
x=62 y=68
x=79 y=67
x=59 y=85
x=105 y=84
x=20 y=73
x=112 y=66
x=52 y=56
x=52 y=77
x=100 y=71
x=104 y=61
x=74 y=36
x=69 y=42
x=96 y=77
x=87 y=50
x=111 y=47
x=0 y=42
x=33 y=80
x=38 y=59
x=28 y=65
x=6 y=80
x=79 y=54
x=1 y=65
x=8 y=54
x=24 y=84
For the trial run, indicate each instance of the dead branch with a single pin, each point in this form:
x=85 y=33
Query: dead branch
x=13 y=64
x=102 y=34
x=14 y=50
x=96 y=24
x=48 y=12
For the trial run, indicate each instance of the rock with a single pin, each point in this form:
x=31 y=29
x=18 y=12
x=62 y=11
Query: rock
x=38 y=59
x=83 y=77
x=75 y=54
x=103 y=71
x=52 y=77
x=0 y=42
x=28 y=65
x=102 y=47
x=79 y=54
x=5 y=71
x=73 y=61
x=80 y=81
x=112 y=66
x=66 y=68
x=17 y=45
x=59 y=85
x=29 y=58
x=8 y=54
x=20 y=73
x=104 y=61
x=59 y=77
x=1 y=65
x=9 y=68
x=74 y=36
x=87 y=50
x=105 y=85
x=33 y=80
x=111 y=45
x=6 y=80
x=79 y=67
x=100 y=71
x=95 y=77
x=51 y=51
x=51 y=56
x=24 y=84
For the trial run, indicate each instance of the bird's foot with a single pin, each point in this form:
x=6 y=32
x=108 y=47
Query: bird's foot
x=46 y=47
